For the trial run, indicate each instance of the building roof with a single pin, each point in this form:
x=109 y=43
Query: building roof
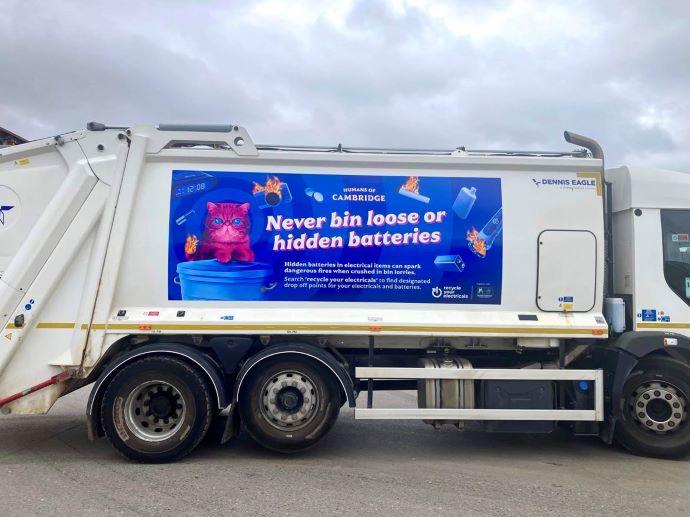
x=14 y=136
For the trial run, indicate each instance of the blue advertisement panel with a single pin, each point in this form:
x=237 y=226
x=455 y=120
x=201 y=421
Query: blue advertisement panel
x=327 y=237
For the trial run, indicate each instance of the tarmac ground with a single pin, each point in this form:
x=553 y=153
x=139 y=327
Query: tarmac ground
x=49 y=467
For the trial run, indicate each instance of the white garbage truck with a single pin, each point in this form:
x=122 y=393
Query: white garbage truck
x=197 y=279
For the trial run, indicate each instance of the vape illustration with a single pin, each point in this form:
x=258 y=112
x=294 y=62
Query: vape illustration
x=183 y=218
x=464 y=202
x=480 y=242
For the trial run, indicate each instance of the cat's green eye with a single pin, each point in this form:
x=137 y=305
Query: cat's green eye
x=217 y=220
x=236 y=221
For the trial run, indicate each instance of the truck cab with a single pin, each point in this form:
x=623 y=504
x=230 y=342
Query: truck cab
x=651 y=247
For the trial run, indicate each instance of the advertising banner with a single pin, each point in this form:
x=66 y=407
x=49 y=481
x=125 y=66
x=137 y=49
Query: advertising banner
x=335 y=237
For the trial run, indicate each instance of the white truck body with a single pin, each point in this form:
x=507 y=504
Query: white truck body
x=88 y=256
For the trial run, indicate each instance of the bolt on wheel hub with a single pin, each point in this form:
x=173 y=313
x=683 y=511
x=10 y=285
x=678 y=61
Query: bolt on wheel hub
x=289 y=400
x=154 y=410
x=658 y=406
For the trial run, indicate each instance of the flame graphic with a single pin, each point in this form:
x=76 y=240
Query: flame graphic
x=272 y=185
x=190 y=244
x=411 y=185
x=476 y=243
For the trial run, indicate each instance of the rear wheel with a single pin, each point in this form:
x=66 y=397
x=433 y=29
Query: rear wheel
x=156 y=409
x=289 y=404
x=654 y=421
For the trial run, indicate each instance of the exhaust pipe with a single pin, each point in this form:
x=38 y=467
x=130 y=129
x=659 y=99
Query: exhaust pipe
x=597 y=152
x=588 y=143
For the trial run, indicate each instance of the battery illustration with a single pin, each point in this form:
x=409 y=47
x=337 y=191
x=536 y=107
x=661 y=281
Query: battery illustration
x=450 y=263
x=273 y=193
x=316 y=196
x=411 y=189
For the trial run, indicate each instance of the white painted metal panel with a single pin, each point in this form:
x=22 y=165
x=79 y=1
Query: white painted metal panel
x=595 y=414
x=133 y=190
x=532 y=202
x=567 y=275
x=366 y=372
x=474 y=414
x=643 y=187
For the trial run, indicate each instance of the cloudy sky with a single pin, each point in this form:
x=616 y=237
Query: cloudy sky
x=414 y=73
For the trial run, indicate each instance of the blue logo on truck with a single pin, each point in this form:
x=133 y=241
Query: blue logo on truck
x=3 y=209
x=334 y=237
x=648 y=315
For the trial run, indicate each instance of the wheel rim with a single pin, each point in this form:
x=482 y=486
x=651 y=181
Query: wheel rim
x=659 y=407
x=289 y=400
x=154 y=410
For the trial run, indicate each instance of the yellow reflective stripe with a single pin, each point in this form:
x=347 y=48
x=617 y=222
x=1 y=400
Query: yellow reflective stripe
x=345 y=328
x=355 y=328
x=663 y=325
x=55 y=325
x=50 y=325
x=597 y=180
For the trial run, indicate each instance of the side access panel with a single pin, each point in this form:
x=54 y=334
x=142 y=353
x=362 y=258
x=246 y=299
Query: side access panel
x=567 y=274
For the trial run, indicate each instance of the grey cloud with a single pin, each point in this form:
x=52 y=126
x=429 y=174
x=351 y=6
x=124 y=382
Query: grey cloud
x=380 y=74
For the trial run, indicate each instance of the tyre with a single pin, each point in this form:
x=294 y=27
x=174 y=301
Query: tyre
x=654 y=419
x=289 y=404
x=156 y=409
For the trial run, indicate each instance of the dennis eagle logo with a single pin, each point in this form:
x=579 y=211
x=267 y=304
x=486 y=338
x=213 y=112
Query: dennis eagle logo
x=3 y=209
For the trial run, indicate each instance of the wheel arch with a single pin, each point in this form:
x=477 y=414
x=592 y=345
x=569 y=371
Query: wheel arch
x=196 y=358
x=632 y=348
x=643 y=344
x=301 y=349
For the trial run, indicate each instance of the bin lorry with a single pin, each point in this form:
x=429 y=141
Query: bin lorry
x=197 y=279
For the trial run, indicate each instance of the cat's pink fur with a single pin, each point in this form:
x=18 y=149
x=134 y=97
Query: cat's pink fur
x=226 y=234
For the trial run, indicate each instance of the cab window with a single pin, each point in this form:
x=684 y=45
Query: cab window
x=675 y=228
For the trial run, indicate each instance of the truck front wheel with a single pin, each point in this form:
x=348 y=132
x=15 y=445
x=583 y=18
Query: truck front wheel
x=654 y=419
x=289 y=404
x=156 y=409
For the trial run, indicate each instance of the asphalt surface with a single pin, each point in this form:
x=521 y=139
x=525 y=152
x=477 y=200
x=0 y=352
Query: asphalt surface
x=49 y=467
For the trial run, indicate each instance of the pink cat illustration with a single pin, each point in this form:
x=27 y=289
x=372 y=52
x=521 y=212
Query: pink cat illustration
x=226 y=234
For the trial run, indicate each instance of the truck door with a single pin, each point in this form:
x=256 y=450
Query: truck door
x=662 y=270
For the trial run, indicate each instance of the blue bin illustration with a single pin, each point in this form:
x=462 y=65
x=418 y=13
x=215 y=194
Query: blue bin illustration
x=211 y=280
